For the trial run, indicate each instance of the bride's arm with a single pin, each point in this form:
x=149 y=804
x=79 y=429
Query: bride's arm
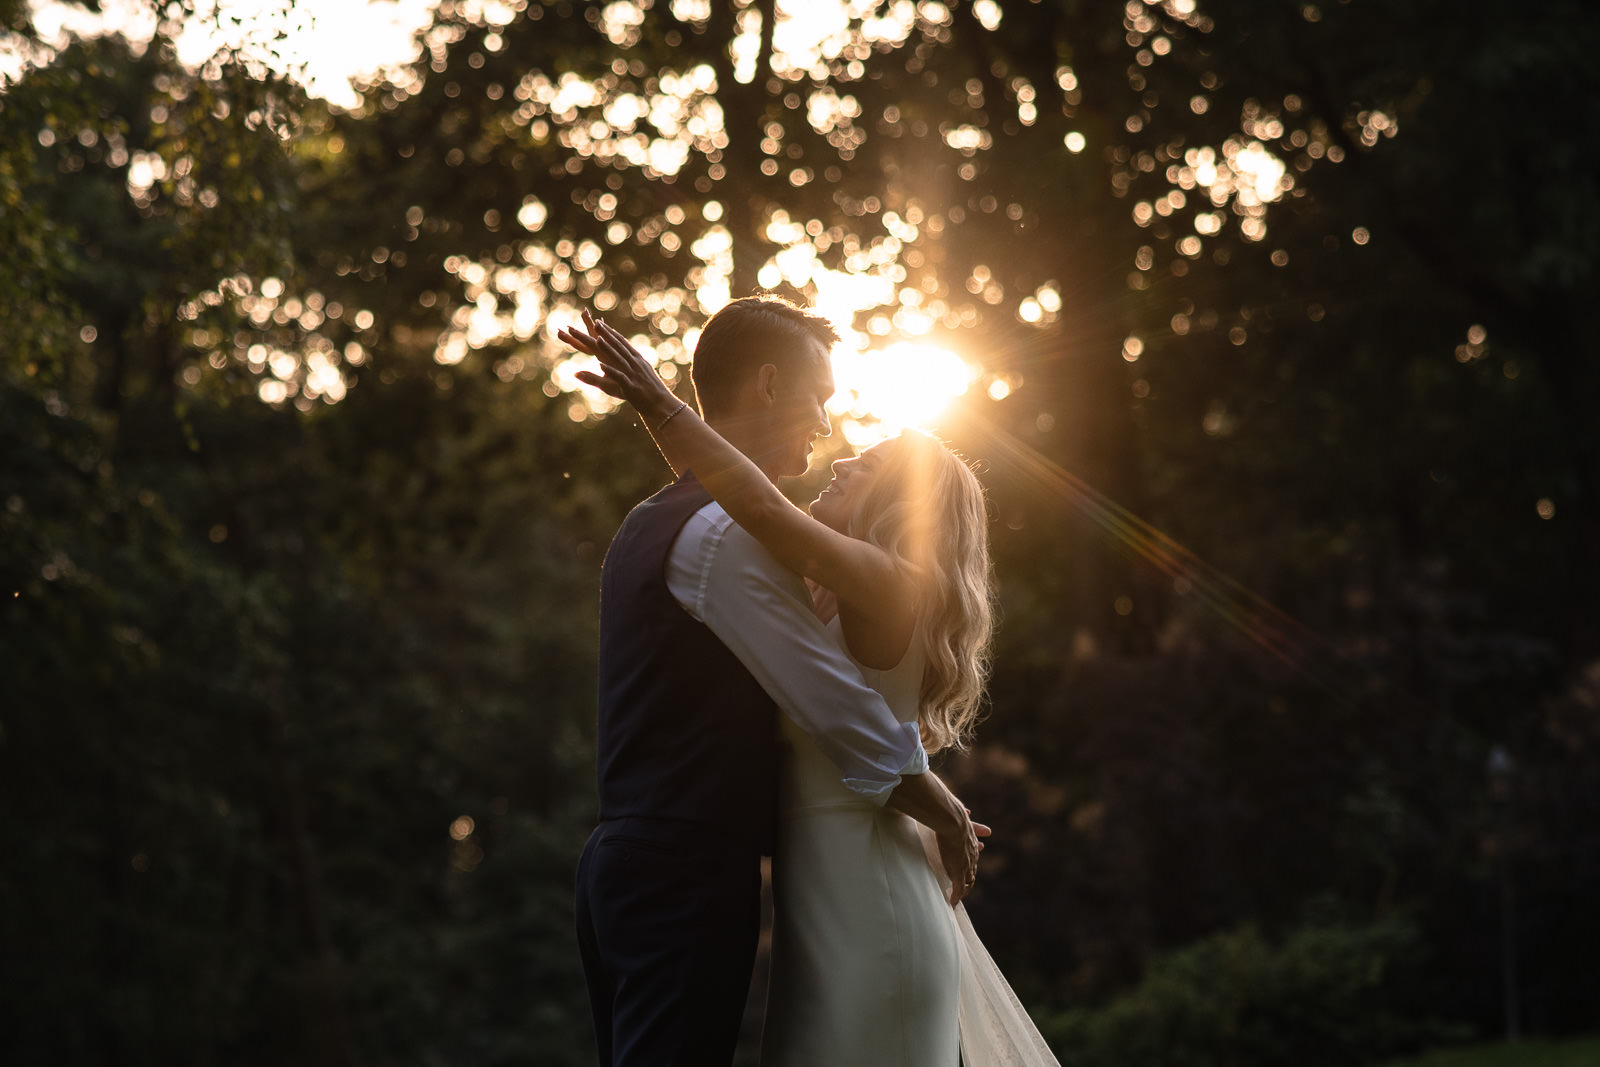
x=864 y=576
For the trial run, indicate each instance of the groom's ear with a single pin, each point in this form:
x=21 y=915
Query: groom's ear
x=767 y=384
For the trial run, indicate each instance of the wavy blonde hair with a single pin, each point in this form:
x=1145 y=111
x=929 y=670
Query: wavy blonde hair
x=925 y=507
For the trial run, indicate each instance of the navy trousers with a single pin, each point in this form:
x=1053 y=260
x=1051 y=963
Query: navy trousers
x=668 y=917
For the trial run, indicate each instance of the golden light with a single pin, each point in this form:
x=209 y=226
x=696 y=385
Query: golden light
x=880 y=393
x=325 y=49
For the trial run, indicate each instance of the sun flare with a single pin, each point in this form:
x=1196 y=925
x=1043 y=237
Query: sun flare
x=879 y=393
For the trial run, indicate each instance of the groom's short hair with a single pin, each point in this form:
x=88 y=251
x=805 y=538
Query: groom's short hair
x=744 y=335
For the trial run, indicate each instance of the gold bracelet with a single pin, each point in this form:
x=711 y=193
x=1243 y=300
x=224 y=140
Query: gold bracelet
x=682 y=404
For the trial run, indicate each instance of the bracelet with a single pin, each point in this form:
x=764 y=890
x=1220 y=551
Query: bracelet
x=682 y=404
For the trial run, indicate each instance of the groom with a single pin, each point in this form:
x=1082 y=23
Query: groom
x=704 y=640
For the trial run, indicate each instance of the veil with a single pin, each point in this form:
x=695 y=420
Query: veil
x=995 y=1028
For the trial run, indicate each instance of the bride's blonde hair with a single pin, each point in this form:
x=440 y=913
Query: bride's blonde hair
x=925 y=507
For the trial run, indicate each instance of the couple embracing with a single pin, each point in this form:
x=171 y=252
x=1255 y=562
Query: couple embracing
x=771 y=684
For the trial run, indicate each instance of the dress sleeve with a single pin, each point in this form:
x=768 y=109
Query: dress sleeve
x=762 y=612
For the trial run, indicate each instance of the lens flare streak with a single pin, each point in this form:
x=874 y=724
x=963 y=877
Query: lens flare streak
x=1261 y=622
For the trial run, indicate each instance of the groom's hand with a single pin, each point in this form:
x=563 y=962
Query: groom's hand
x=958 y=852
x=929 y=801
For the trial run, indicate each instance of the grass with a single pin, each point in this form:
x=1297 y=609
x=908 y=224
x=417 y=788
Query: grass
x=1579 y=1053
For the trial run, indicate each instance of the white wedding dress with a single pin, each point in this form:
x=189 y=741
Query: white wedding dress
x=871 y=967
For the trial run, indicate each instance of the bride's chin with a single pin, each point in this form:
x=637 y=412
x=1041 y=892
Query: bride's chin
x=827 y=516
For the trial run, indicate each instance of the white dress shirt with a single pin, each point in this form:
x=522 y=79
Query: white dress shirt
x=762 y=611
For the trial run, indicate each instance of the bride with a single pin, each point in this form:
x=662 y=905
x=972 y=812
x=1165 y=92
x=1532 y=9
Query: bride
x=870 y=963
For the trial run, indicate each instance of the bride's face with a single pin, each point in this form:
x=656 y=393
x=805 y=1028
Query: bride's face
x=851 y=480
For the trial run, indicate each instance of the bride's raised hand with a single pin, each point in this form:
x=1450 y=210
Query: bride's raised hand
x=625 y=373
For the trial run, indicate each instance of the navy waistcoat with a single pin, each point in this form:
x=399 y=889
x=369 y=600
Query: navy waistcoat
x=686 y=733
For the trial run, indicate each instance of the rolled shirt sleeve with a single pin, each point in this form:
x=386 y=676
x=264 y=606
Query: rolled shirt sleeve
x=762 y=611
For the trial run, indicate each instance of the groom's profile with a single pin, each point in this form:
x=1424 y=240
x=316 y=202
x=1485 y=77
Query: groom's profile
x=704 y=640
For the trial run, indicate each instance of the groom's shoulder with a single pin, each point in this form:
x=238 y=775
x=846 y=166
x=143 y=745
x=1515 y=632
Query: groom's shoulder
x=658 y=505
x=702 y=532
x=709 y=535
x=738 y=548
x=661 y=519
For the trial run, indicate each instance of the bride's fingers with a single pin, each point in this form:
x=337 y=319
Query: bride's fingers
x=601 y=348
x=981 y=830
x=623 y=353
x=614 y=335
x=605 y=385
x=604 y=339
x=615 y=350
x=604 y=335
x=581 y=341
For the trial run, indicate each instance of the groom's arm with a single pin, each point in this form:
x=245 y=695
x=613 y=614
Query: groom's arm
x=762 y=612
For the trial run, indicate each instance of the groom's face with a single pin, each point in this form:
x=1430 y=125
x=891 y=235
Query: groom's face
x=800 y=415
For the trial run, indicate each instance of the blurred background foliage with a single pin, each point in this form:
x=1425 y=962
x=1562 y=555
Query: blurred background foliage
x=302 y=520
